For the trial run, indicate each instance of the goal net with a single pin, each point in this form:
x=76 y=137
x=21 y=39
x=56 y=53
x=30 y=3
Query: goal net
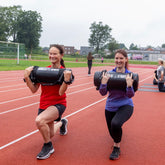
x=12 y=51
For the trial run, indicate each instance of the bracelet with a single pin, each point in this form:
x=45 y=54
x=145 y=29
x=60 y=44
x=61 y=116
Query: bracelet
x=67 y=82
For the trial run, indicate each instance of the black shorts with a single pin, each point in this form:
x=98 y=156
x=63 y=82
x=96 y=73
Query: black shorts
x=61 y=108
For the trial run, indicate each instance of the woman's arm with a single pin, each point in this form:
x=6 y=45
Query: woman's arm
x=33 y=87
x=64 y=86
x=103 y=89
x=162 y=75
x=103 y=86
x=129 y=90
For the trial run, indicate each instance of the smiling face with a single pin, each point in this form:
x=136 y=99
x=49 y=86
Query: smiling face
x=54 y=55
x=120 y=60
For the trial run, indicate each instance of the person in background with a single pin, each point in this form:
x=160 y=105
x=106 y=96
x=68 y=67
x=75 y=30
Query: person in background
x=155 y=80
x=30 y=57
x=52 y=102
x=119 y=105
x=89 y=62
x=161 y=75
x=102 y=60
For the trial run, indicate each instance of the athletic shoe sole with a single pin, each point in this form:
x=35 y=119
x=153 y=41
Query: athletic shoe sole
x=46 y=156
x=66 y=129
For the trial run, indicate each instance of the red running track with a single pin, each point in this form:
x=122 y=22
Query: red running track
x=88 y=141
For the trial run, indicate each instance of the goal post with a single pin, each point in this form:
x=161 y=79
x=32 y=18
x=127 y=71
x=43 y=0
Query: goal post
x=12 y=50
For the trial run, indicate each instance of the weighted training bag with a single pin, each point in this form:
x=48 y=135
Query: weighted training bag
x=156 y=74
x=48 y=76
x=116 y=80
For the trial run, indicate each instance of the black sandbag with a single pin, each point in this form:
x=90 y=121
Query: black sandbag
x=116 y=80
x=48 y=76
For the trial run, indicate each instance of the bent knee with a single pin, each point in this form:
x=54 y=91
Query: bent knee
x=39 y=121
x=115 y=125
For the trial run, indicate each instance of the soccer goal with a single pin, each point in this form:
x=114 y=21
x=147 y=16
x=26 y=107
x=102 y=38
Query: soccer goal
x=12 y=50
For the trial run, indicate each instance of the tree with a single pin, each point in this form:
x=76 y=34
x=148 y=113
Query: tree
x=163 y=45
x=113 y=45
x=133 y=47
x=12 y=17
x=8 y=22
x=3 y=25
x=29 y=29
x=122 y=46
x=100 y=34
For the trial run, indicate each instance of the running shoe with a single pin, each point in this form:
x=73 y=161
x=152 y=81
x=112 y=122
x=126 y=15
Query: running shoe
x=63 y=128
x=115 y=153
x=46 y=151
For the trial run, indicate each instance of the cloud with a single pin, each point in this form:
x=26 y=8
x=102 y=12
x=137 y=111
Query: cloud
x=67 y=22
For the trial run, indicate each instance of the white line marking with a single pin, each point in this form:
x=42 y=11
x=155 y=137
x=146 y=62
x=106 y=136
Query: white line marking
x=80 y=85
x=19 y=99
x=38 y=94
x=31 y=133
x=145 y=78
x=85 y=107
x=80 y=91
x=12 y=86
x=14 y=141
x=15 y=109
x=23 y=137
x=13 y=89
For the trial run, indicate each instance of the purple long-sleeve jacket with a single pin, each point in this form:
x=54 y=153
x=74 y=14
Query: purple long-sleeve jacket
x=117 y=98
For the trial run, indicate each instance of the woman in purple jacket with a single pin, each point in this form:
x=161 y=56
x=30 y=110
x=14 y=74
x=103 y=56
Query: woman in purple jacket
x=119 y=105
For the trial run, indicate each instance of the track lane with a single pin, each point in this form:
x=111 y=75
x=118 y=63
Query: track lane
x=81 y=136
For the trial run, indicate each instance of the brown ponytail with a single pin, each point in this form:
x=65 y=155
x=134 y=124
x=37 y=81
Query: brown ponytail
x=62 y=62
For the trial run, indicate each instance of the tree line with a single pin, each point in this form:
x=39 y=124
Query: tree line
x=101 y=38
x=17 y=25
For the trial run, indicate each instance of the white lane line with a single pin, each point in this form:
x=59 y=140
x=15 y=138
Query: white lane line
x=12 y=86
x=11 y=81
x=13 y=89
x=18 y=99
x=27 y=87
x=31 y=133
x=25 y=106
x=85 y=107
x=74 y=86
x=14 y=141
x=80 y=91
x=38 y=94
x=67 y=94
x=15 y=109
x=23 y=137
x=145 y=78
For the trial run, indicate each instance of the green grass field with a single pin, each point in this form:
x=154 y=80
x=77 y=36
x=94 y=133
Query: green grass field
x=6 y=65
x=11 y=64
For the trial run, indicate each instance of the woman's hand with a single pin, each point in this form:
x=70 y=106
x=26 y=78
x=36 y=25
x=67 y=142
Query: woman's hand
x=32 y=87
x=105 y=78
x=129 y=80
x=67 y=75
x=28 y=71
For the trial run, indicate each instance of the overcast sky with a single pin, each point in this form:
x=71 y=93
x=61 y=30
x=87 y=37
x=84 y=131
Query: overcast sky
x=67 y=22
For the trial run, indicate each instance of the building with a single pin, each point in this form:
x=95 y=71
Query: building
x=69 y=50
x=146 y=55
x=84 y=50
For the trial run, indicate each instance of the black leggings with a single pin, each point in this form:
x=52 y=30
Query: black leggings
x=89 y=66
x=161 y=87
x=115 y=120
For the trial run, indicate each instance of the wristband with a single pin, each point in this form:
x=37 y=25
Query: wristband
x=67 y=82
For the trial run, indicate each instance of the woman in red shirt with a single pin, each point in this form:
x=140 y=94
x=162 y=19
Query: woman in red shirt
x=52 y=102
